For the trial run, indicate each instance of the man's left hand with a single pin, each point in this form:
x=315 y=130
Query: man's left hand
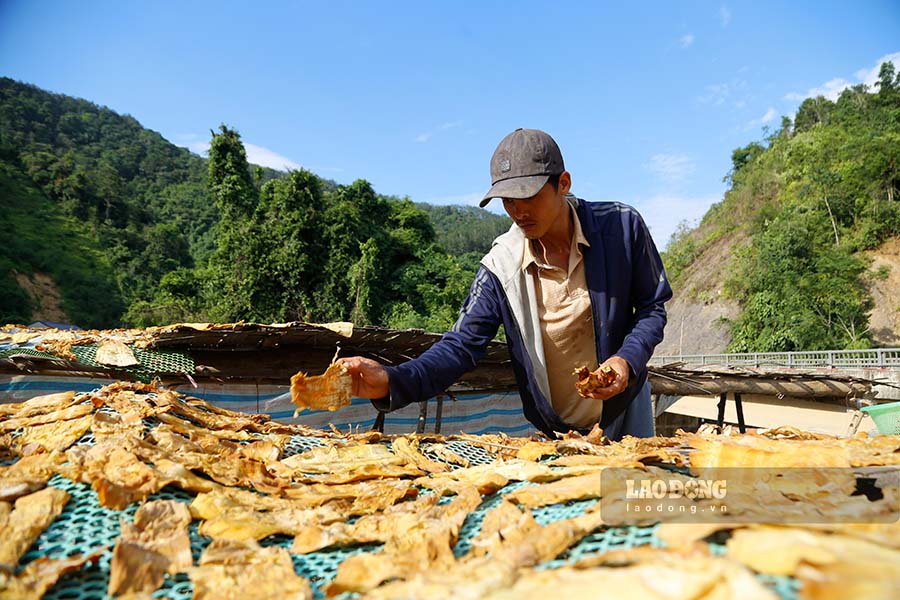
x=623 y=373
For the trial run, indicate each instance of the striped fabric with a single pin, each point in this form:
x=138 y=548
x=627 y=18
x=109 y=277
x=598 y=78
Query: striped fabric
x=469 y=413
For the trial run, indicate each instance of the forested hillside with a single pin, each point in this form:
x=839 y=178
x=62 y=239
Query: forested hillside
x=110 y=224
x=42 y=245
x=462 y=230
x=789 y=245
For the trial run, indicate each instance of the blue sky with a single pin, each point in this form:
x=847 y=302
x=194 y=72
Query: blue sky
x=647 y=100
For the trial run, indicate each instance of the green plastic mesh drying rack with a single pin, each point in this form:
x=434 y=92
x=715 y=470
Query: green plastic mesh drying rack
x=84 y=526
x=152 y=362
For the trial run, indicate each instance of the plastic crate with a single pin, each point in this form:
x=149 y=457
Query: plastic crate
x=886 y=417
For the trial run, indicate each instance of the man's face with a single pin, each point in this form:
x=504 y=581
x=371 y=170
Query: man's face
x=536 y=215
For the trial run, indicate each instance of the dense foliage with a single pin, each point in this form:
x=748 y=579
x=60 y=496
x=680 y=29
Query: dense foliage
x=463 y=229
x=134 y=230
x=39 y=238
x=814 y=195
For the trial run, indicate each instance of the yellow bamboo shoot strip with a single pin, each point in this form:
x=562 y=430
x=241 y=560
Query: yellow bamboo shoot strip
x=490 y=478
x=247 y=571
x=563 y=490
x=38 y=405
x=408 y=449
x=40 y=575
x=227 y=517
x=330 y=391
x=28 y=474
x=477 y=576
x=830 y=566
x=64 y=414
x=443 y=452
x=32 y=515
x=503 y=524
x=58 y=435
x=760 y=451
x=670 y=577
x=344 y=464
x=380 y=527
x=424 y=542
x=155 y=544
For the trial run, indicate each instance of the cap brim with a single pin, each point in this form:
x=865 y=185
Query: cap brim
x=516 y=187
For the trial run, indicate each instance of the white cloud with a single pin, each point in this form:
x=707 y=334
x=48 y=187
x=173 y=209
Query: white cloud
x=193 y=142
x=686 y=40
x=770 y=115
x=724 y=16
x=258 y=155
x=664 y=212
x=832 y=89
x=870 y=76
x=673 y=169
x=198 y=147
x=718 y=93
x=427 y=135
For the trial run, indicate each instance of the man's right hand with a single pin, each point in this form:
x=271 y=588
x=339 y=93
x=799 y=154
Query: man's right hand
x=623 y=373
x=370 y=379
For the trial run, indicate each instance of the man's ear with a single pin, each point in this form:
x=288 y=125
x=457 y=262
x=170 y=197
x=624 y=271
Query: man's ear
x=565 y=183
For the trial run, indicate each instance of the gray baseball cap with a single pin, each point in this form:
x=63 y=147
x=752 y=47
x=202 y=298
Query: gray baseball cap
x=522 y=163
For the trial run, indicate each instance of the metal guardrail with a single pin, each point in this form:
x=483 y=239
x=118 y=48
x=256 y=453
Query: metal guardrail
x=877 y=358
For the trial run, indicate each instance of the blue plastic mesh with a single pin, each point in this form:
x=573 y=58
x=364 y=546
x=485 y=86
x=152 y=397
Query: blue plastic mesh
x=299 y=444
x=321 y=567
x=474 y=454
x=85 y=526
x=472 y=525
x=786 y=587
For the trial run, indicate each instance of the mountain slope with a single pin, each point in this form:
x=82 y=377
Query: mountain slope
x=51 y=265
x=798 y=254
x=111 y=219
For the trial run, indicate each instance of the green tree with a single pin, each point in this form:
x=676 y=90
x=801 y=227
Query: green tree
x=240 y=250
x=230 y=182
x=812 y=112
x=291 y=213
x=799 y=290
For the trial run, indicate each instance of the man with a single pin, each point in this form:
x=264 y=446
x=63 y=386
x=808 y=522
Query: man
x=574 y=284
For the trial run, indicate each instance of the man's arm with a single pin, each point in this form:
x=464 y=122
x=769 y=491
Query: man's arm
x=649 y=292
x=438 y=367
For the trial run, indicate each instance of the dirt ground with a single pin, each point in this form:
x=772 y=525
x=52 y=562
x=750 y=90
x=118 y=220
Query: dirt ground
x=696 y=312
x=885 y=319
x=697 y=309
x=44 y=295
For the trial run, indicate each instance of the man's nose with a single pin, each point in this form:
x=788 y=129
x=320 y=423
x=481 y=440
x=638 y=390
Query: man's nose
x=519 y=209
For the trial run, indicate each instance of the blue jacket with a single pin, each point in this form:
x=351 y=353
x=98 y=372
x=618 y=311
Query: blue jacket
x=628 y=289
